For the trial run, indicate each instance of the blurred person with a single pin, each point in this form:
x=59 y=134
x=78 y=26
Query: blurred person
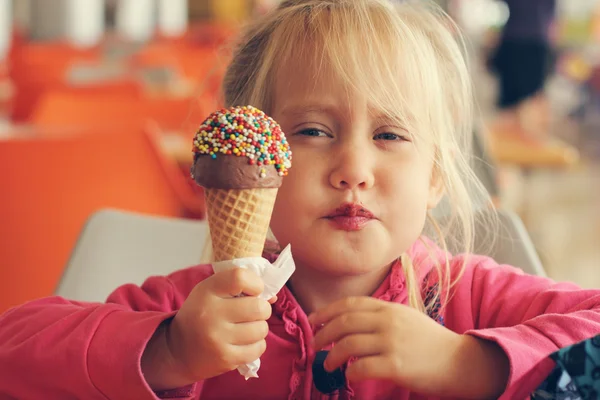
x=522 y=61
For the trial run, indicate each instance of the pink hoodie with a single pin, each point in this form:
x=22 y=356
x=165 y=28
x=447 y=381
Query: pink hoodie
x=53 y=348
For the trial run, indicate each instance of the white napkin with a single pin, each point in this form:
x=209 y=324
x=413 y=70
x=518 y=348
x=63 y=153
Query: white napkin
x=274 y=277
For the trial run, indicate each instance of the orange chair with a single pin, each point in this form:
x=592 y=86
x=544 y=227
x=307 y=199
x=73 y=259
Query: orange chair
x=69 y=109
x=212 y=34
x=30 y=94
x=44 y=60
x=51 y=186
x=179 y=114
x=28 y=90
x=203 y=66
x=35 y=67
x=104 y=112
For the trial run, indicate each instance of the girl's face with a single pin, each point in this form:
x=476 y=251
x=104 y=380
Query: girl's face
x=360 y=186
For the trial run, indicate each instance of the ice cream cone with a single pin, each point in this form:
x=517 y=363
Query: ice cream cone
x=240 y=158
x=239 y=221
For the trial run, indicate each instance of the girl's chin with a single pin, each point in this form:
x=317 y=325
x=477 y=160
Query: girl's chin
x=346 y=265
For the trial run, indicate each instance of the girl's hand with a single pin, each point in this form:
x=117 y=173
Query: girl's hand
x=394 y=342
x=214 y=332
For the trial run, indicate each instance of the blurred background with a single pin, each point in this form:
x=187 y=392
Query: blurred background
x=99 y=100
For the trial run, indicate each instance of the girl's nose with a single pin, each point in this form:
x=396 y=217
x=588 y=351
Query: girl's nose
x=352 y=169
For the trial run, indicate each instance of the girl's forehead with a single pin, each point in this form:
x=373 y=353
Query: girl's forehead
x=303 y=87
x=305 y=76
x=372 y=63
x=301 y=90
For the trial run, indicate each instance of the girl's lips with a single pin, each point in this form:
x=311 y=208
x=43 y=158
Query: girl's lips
x=349 y=224
x=350 y=210
x=350 y=217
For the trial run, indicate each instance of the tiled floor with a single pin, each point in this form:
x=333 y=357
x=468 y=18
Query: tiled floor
x=561 y=209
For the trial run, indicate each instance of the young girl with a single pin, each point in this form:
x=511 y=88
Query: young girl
x=375 y=100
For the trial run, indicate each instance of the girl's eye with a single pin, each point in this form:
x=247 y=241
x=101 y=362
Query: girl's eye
x=312 y=133
x=390 y=136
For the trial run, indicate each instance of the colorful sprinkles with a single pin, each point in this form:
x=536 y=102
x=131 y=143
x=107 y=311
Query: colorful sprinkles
x=245 y=132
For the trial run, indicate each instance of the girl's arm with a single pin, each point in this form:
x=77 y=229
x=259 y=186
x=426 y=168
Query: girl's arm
x=55 y=349
x=529 y=317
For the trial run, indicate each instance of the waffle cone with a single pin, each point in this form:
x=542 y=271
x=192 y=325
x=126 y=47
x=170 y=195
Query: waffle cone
x=239 y=221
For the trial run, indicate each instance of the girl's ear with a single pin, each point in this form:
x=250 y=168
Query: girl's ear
x=436 y=188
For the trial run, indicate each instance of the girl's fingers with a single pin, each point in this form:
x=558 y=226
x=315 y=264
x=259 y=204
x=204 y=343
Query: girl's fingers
x=363 y=345
x=236 y=281
x=248 y=353
x=350 y=323
x=349 y=304
x=246 y=309
x=371 y=367
x=248 y=332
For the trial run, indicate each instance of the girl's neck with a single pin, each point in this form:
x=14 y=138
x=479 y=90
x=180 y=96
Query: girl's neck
x=314 y=289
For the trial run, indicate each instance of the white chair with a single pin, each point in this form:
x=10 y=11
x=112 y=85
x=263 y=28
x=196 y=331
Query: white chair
x=118 y=247
x=512 y=245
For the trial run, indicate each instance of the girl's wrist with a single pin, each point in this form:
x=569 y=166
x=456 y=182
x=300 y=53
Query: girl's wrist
x=159 y=366
x=479 y=369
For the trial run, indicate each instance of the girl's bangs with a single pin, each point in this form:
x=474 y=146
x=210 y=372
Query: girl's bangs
x=370 y=50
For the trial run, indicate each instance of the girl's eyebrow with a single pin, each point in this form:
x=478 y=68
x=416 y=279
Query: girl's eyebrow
x=300 y=110
x=388 y=121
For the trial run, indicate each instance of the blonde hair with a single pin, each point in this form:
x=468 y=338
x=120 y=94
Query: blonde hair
x=408 y=59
